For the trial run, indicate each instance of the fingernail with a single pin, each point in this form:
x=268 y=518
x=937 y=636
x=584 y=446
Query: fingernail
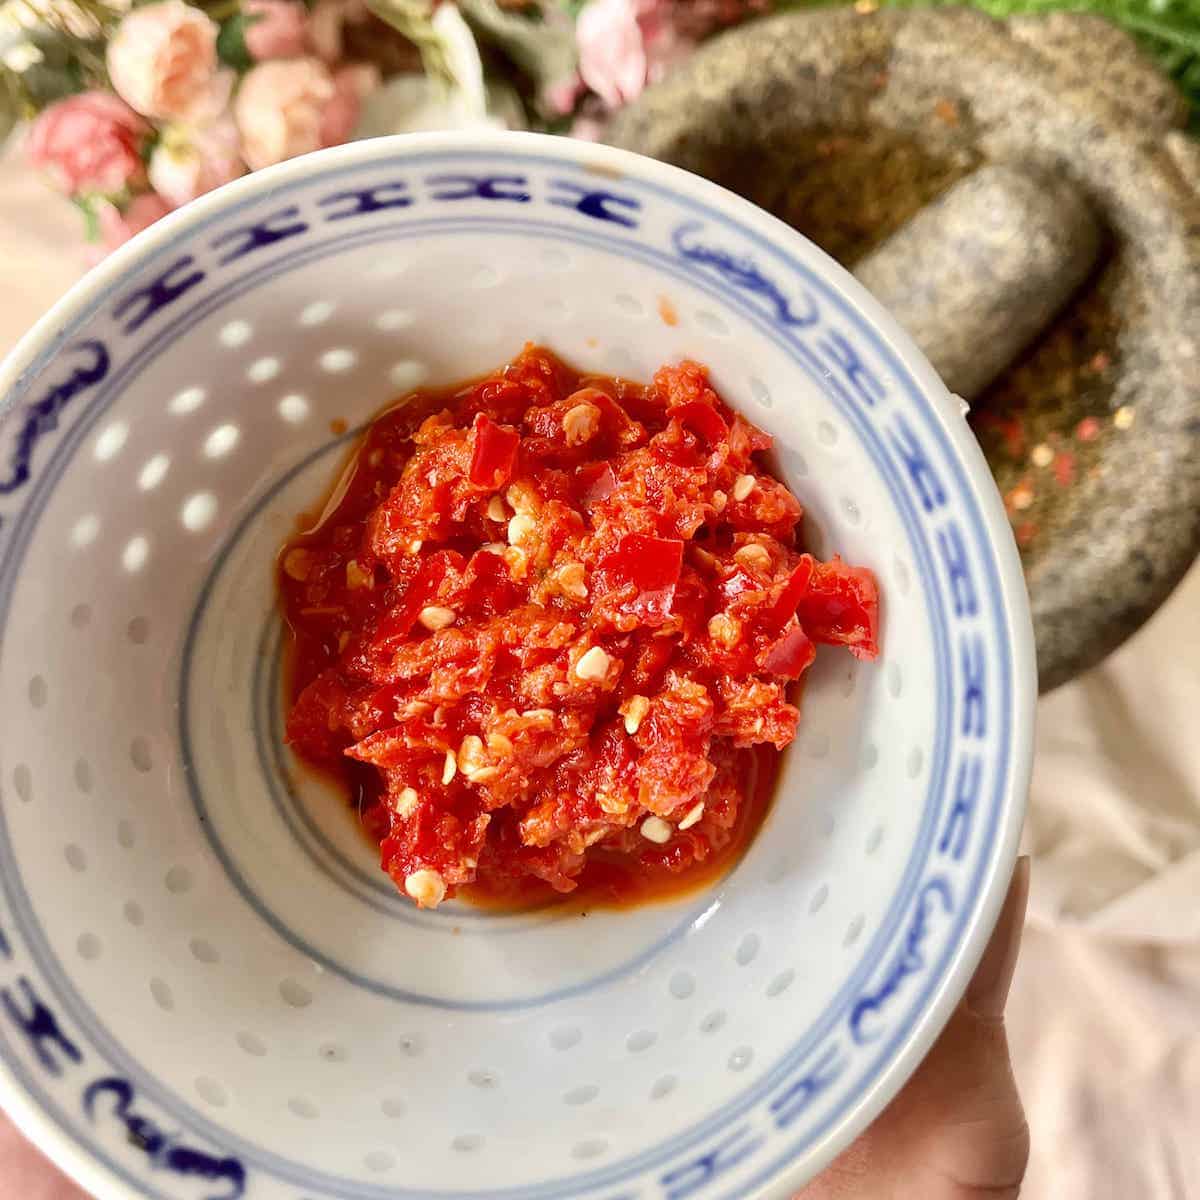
x=988 y=990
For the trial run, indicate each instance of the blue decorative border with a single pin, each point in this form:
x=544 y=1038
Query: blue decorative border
x=820 y=1063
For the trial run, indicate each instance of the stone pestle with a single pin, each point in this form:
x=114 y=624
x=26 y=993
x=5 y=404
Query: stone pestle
x=978 y=273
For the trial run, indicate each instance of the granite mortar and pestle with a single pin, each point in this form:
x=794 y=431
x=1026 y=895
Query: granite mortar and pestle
x=1022 y=196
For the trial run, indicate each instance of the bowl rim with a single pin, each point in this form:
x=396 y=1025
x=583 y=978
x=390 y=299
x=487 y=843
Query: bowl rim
x=42 y=337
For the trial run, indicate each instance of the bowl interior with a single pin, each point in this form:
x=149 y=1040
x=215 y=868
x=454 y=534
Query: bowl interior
x=206 y=923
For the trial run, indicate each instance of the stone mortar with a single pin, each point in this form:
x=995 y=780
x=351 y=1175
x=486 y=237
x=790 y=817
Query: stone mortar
x=848 y=125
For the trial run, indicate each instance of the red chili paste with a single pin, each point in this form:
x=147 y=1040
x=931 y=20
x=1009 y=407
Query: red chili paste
x=544 y=624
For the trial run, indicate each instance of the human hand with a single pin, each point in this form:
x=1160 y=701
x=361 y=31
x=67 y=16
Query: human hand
x=957 y=1130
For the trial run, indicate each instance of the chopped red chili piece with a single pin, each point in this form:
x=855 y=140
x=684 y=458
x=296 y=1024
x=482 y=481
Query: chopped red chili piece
x=548 y=644
x=494 y=452
x=595 y=483
x=615 y=421
x=395 y=625
x=841 y=607
x=489 y=588
x=792 y=655
x=703 y=420
x=784 y=607
x=644 y=570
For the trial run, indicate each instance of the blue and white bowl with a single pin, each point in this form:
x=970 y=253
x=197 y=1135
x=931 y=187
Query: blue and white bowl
x=207 y=990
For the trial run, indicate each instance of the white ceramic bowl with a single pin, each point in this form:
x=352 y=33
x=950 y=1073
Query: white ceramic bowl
x=206 y=987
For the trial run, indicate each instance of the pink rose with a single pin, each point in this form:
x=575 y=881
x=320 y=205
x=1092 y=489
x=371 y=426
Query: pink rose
x=327 y=21
x=351 y=86
x=186 y=163
x=279 y=109
x=162 y=61
x=275 y=29
x=561 y=96
x=89 y=143
x=612 y=54
x=625 y=44
x=212 y=100
x=665 y=43
x=117 y=227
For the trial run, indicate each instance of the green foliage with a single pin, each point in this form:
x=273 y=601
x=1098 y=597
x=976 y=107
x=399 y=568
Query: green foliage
x=12 y=102
x=541 y=47
x=91 y=220
x=60 y=63
x=414 y=20
x=231 y=43
x=1169 y=30
x=68 y=64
